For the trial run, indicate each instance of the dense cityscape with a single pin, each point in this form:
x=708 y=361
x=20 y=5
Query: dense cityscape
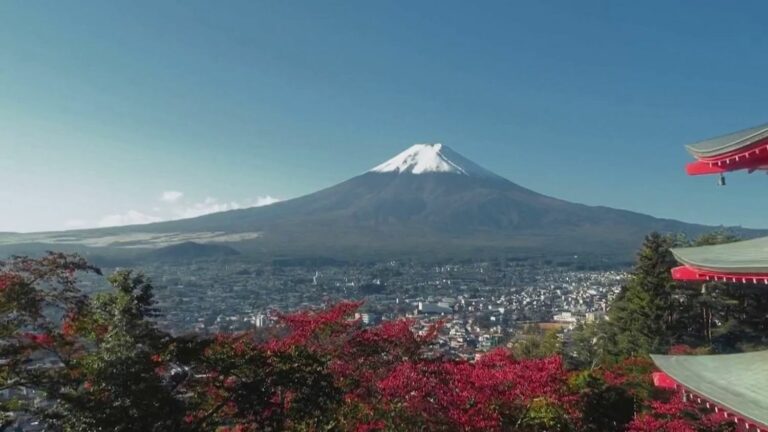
x=483 y=303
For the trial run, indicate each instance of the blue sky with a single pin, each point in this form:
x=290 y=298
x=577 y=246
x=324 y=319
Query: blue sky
x=105 y=106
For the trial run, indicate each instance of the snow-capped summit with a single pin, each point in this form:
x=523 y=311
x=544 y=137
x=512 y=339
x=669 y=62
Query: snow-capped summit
x=432 y=158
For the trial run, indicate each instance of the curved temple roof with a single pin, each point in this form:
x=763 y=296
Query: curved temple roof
x=724 y=144
x=746 y=149
x=749 y=256
x=691 y=274
x=735 y=382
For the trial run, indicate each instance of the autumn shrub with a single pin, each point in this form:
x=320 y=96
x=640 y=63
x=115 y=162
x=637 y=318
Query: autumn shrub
x=103 y=365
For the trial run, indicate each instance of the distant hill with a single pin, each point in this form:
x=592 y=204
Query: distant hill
x=189 y=251
x=428 y=202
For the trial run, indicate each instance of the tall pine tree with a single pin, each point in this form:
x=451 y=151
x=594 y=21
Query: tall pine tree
x=642 y=318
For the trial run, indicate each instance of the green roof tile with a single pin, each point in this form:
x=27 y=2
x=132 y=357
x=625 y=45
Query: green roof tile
x=749 y=256
x=728 y=143
x=737 y=382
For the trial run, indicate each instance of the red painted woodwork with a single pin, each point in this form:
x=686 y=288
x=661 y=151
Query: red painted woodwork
x=752 y=158
x=686 y=273
x=662 y=380
x=743 y=424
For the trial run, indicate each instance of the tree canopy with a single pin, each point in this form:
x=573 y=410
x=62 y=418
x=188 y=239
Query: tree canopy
x=99 y=363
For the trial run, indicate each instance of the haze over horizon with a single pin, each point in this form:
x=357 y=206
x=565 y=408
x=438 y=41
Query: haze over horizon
x=145 y=112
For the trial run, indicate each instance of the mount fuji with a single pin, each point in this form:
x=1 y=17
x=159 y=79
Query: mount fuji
x=432 y=158
x=428 y=202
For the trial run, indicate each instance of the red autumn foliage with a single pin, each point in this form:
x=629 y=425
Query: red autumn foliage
x=7 y=279
x=68 y=328
x=41 y=339
x=632 y=374
x=475 y=395
x=674 y=414
x=323 y=370
x=313 y=328
x=376 y=425
x=388 y=379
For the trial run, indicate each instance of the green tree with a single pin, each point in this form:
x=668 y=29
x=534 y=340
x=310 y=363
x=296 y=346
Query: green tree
x=712 y=299
x=535 y=343
x=720 y=316
x=642 y=318
x=605 y=407
x=105 y=366
x=119 y=385
x=29 y=328
x=653 y=312
x=715 y=238
x=728 y=317
x=587 y=347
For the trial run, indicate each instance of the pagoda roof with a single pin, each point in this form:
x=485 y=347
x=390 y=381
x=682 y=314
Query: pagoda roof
x=743 y=257
x=745 y=149
x=690 y=274
x=737 y=383
x=729 y=143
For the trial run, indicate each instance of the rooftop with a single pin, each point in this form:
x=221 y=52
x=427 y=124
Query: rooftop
x=735 y=382
x=749 y=256
x=728 y=143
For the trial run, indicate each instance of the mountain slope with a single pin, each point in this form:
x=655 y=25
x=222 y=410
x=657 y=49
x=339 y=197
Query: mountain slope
x=427 y=201
x=187 y=251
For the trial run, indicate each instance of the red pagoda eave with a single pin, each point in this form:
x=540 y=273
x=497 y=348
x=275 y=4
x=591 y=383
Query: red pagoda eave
x=686 y=273
x=664 y=381
x=752 y=158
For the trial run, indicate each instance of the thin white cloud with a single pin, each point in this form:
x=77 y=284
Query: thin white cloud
x=132 y=217
x=265 y=200
x=212 y=205
x=209 y=205
x=175 y=210
x=171 y=196
x=75 y=223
